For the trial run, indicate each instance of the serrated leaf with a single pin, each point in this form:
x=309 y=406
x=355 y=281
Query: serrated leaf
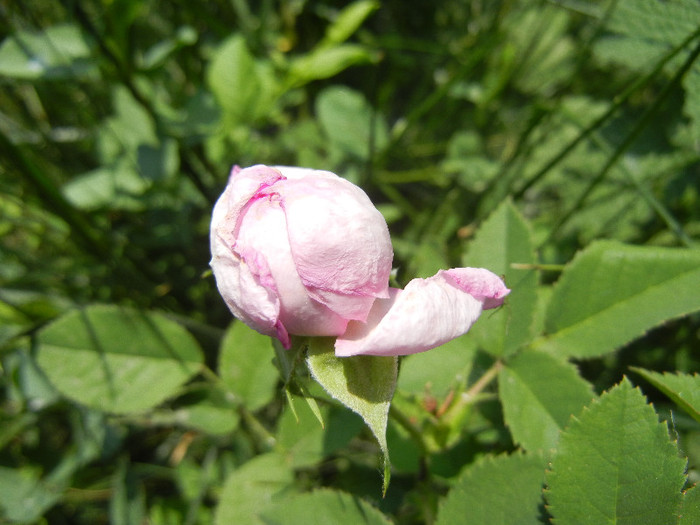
x=643 y=31
x=251 y=489
x=245 y=365
x=328 y=506
x=503 y=331
x=539 y=393
x=690 y=507
x=612 y=293
x=364 y=384
x=117 y=359
x=683 y=389
x=503 y=490
x=616 y=464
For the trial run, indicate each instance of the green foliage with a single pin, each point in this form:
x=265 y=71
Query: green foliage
x=324 y=506
x=117 y=359
x=616 y=464
x=555 y=143
x=503 y=332
x=683 y=389
x=364 y=384
x=253 y=488
x=245 y=366
x=539 y=393
x=517 y=499
x=619 y=292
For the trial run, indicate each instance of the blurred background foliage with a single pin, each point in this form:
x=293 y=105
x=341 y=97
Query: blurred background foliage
x=119 y=123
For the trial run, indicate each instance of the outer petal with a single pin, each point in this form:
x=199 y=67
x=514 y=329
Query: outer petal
x=243 y=276
x=426 y=314
x=243 y=185
x=340 y=242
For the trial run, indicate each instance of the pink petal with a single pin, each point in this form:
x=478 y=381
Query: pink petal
x=427 y=313
x=339 y=240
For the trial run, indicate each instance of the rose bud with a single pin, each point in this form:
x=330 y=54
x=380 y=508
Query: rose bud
x=298 y=251
x=304 y=252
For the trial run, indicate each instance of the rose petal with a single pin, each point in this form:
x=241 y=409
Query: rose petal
x=427 y=313
x=339 y=240
x=263 y=242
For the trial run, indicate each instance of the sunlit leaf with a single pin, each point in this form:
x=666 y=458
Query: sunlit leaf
x=502 y=490
x=57 y=52
x=502 y=240
x=326 y=62
x=364 y=384
x=347 y=120
x=539 y=394
x=251 y=489
x=616 y=464
x=117 y=359
x=245 y=365
x=243 y=86
x=612 y=293
x=690 y=507
x=683 y=389
x=348 y=21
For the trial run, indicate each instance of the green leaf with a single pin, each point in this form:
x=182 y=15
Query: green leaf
x=503 y=331
x=243 y=86
x=683 y=389
x=439 y=370
x=325 y=62
x=648 y=25
x=245 y=365
x=616 y=464
x=23 y=496
x=541 y=64
x=690 y=507
x=643 y=31
x=348 y=21
x=539 y=394
x=115 y=186
x=57 y=52
x=322 y=507
x=212 y=410
x=503 y=490
x=346 y=119
x=364 y=384
x=611 y=293
x=251 y=489
x=129 y=128
x=305 y=443
x=117 y=359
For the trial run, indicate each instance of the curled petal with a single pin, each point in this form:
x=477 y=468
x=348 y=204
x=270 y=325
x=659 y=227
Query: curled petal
x=425 y=314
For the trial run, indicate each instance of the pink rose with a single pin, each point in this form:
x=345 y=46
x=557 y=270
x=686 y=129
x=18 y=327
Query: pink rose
x=305 y=252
